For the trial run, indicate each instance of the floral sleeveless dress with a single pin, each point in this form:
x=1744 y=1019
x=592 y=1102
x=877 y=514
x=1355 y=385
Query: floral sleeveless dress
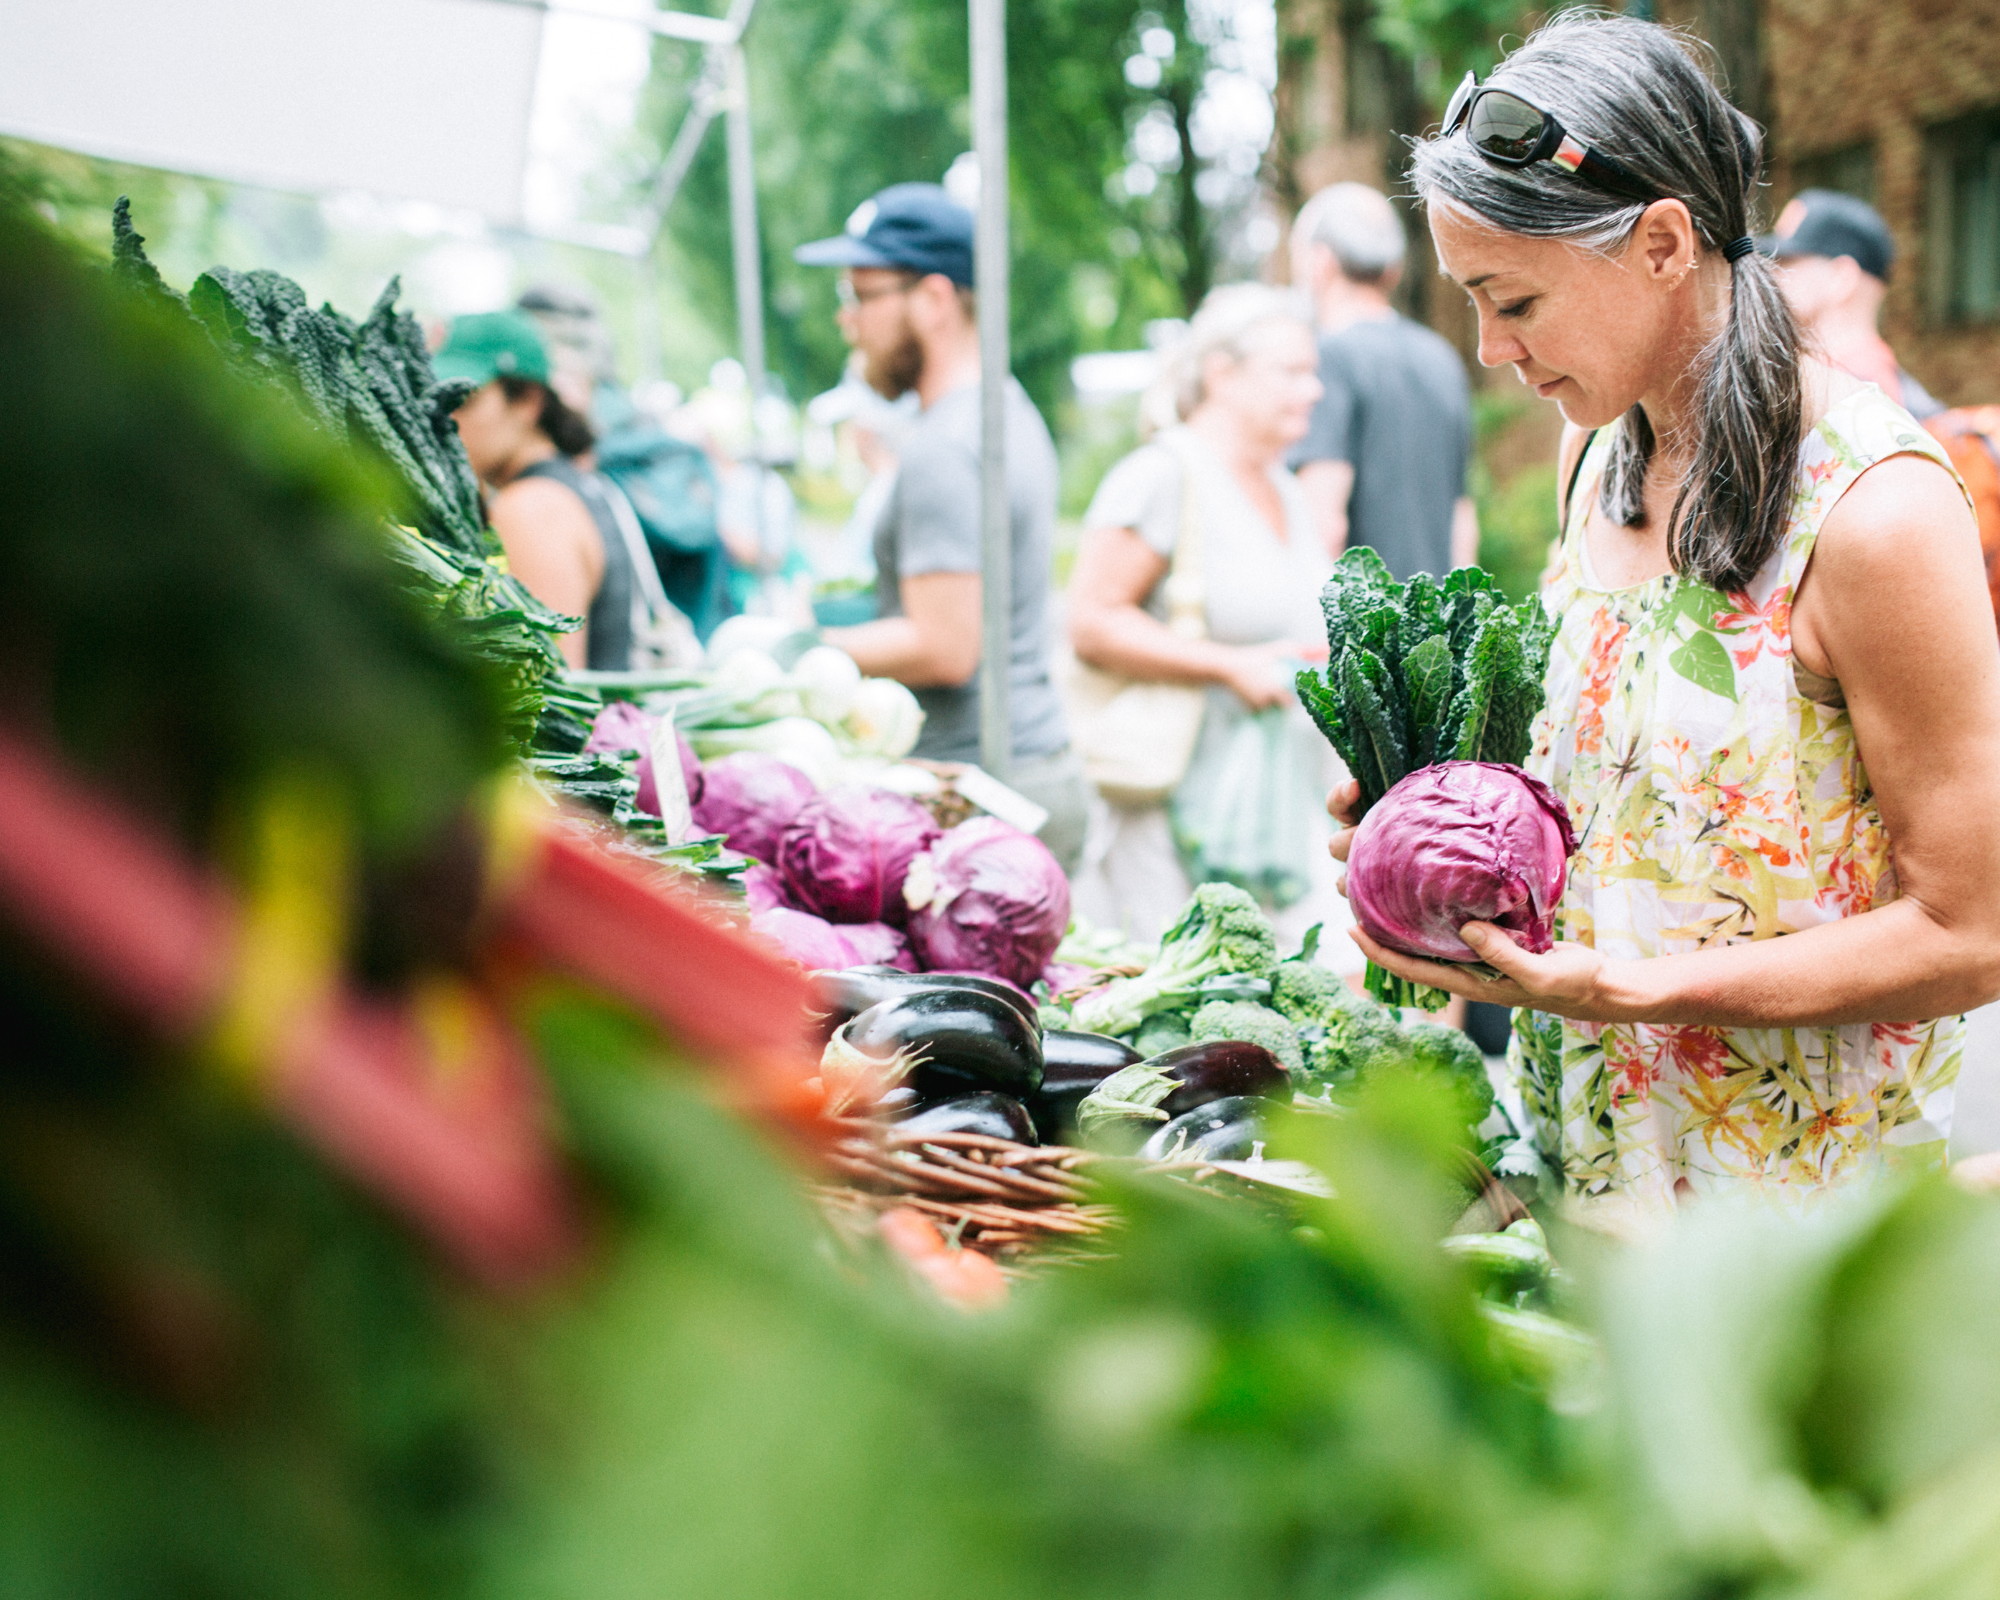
x=1719 y=798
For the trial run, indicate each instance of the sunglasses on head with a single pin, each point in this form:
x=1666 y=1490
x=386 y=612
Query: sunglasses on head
x=1509 y=132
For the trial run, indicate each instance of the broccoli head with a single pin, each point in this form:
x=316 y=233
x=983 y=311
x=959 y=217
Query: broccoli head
x=1341 y=1033
x=1161 y=1032
x=1448 y=1054
x=1253 y=1024
x=1221 y=933
x=1367 y=1041
x=1309 y=994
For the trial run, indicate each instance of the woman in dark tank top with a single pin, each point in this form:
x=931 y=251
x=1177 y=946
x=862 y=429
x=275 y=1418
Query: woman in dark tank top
x=554 y=517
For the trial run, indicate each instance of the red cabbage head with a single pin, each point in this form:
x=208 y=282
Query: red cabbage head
x=1459 y=842
x=846 y=852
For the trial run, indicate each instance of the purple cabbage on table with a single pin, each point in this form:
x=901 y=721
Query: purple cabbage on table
x=750 y=799
x=623 y=726
x=990 y=899
x=847 y=851
x=876 y=944
x=1459 y=842
x=763 y=889
x=813 y=942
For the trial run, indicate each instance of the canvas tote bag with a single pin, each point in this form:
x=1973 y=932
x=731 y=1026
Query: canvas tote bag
x=1136 y=738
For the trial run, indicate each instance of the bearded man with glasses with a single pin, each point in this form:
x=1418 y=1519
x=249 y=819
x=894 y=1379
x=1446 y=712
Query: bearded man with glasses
x=907 y=307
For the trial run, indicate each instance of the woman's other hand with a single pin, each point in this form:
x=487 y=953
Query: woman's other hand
x=1257 y=675
x=1343 y=804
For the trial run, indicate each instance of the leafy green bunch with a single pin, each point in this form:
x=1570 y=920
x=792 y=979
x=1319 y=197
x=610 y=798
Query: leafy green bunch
x=1424 y=671
x=370 y=385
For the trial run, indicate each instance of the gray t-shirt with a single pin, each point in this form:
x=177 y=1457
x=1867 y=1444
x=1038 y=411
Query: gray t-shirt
x=931 y=524
x=1397 y=409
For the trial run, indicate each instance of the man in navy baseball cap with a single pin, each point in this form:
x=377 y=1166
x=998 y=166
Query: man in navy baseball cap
x=1834 y=255
x=906 y=305
x=910 y=227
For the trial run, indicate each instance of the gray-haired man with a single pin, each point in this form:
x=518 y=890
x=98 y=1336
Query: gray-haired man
x=1384 y=460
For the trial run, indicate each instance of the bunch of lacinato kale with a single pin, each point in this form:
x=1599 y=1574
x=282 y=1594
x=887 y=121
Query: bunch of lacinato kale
x=1443 y=679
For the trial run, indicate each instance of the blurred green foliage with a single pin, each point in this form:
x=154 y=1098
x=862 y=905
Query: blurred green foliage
x=848 y=99
x=1514 y=486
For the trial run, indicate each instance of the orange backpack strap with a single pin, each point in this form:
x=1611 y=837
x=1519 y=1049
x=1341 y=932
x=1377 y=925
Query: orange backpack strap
x=1971 y=438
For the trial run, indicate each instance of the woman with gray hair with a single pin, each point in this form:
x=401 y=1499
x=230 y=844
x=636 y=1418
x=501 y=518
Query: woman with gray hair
x=1199 y=567
x=1774 y=701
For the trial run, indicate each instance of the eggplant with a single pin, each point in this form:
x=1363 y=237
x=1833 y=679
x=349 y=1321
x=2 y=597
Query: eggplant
x=963 y=1040
x=842 y=996
x=899 y=1101
x=1073 y=1064
x=1123 y=1111
x=1223 y=1130
x=1216 y=1069
x=998 y=1116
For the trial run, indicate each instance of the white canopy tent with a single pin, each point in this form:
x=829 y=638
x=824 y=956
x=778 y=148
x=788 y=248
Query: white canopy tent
x=412 y=99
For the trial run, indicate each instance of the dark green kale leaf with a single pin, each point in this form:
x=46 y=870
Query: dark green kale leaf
x=1503 y=687
x=1374 y=723
x=1427 y=684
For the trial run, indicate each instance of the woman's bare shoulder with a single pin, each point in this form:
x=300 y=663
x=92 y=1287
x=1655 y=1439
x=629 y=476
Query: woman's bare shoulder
x=1900 y=544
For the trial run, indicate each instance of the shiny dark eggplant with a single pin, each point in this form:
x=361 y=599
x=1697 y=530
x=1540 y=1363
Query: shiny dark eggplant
x=967 y=1040
x=998 y=1116
x=839 y=996
x=1223 y=1130
x=898 y=1102
x=1218 y=1069
x=1073 y=1064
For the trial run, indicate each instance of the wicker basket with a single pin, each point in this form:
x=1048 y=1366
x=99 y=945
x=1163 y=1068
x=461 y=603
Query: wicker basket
x=987 y=1194
x=1008 y=1200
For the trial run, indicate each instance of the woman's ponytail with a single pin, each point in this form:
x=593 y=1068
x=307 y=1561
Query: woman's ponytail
x=1736 y=499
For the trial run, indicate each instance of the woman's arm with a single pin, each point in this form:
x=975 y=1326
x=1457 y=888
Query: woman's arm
x=553 y=547
x=1894 y=605
x=1115 y=571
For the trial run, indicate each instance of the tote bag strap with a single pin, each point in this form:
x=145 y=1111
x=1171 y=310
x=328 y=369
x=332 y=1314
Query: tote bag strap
x=1186 y=593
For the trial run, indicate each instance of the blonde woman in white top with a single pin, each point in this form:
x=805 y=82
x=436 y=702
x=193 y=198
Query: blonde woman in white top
x=1243 y=384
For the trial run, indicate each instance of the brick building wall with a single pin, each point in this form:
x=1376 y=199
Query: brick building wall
x=1853 y=92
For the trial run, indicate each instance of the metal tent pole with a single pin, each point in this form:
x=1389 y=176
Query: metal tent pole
x=749 y=269
x=743 y=225
x=990 y=271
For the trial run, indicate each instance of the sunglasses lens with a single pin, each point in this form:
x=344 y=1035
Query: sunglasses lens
x=1505 y=128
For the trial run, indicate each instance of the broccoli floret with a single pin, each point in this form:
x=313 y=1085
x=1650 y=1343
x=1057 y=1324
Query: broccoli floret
x=1449 y=1054
x=1253 y=1024
x=1164 y=1031
x=1367 y=1042
x=1310 y=994
x=1221 y=932
x=1340 y=1032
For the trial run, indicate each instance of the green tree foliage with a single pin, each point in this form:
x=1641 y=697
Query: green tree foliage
x=848 y=99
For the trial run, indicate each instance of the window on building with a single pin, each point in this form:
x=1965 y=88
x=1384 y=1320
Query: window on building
x=1850 y=169
x=1962 y=236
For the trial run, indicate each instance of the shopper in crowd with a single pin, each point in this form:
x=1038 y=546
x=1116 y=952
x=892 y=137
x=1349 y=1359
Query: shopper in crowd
x=665 y=480
x=1384 y=460
x=1834 y=255
x=1773 y=702
x=1242 y=385
x=755 y=510
x=554 y=517
x=907 y=305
